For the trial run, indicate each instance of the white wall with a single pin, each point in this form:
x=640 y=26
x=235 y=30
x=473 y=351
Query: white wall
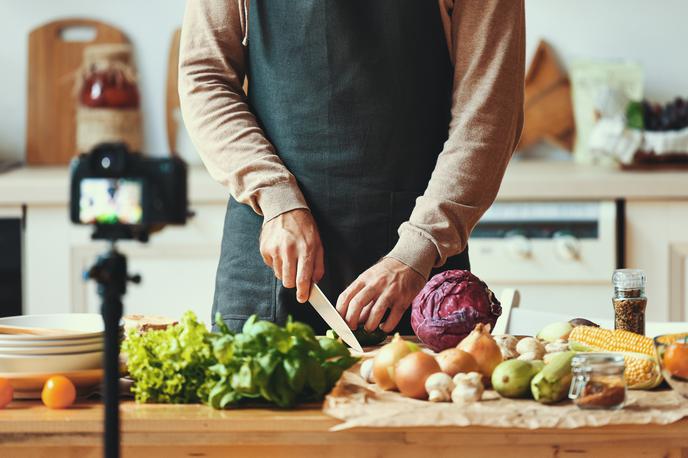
x=652 y=32
x=148 y=24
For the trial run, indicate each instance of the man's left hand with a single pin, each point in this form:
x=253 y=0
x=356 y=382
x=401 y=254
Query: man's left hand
x=389 y=284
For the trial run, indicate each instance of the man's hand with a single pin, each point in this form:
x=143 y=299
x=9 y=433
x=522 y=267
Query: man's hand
x=389 y=284
x=290 y=244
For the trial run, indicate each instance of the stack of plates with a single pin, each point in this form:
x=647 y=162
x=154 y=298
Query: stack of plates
x=28 y=360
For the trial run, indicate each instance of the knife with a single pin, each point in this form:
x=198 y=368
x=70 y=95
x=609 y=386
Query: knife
x=334 y=320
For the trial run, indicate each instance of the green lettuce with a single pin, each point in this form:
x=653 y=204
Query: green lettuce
x=171 y=365
x=186 y=363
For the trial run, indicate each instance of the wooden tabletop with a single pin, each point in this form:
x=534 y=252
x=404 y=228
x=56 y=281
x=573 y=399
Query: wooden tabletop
x=28 y=429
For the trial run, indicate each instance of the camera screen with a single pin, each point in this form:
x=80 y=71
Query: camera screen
x=110 y=201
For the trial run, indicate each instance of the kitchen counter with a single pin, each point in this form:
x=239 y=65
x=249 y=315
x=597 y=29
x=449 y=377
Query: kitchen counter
x=27 y=429
x=524 y=180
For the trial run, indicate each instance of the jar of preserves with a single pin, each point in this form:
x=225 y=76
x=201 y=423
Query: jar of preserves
x=629 y=300
x=598 y=381
x=108 y=80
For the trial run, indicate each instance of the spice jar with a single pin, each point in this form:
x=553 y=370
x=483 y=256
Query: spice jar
x=629 y=300
x=598 y=381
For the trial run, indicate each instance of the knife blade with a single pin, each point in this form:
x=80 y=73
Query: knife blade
x=334 y=320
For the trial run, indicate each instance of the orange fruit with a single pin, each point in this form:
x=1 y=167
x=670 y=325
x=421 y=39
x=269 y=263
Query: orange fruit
x=676 y=360
x=6 y=393
x=58 y=392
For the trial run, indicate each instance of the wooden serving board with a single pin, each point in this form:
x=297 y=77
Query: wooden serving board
x=52 y=99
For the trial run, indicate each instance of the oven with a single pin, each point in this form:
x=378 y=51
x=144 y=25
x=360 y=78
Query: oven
x=559 y=255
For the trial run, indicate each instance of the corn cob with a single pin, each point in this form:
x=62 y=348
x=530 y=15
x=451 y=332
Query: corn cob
x=642 y=368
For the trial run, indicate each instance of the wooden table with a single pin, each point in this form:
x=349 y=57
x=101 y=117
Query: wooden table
x=29 y=430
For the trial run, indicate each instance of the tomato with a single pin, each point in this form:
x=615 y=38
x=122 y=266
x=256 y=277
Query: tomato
x=58 y=392
x=676 y=360
x=6 y=393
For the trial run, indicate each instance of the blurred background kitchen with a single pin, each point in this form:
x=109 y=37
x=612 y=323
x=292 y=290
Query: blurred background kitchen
x=599 y=181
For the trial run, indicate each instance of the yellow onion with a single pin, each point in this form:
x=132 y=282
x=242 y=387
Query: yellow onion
x=453 y=361
x=411 y=372
x=480 y=344
x=386 y=360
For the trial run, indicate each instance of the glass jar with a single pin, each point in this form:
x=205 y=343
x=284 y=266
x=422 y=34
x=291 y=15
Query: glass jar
x=629 y=300
x=108 y=79
x=598 y=381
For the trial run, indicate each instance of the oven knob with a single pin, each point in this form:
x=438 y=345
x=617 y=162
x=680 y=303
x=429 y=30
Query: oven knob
x=567 y=246
x=520 y=246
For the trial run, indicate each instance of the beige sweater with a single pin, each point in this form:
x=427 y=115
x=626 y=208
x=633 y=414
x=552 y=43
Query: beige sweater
x=486 y=45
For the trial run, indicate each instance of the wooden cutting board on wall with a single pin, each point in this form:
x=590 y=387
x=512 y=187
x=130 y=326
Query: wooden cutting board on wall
x=52 y=100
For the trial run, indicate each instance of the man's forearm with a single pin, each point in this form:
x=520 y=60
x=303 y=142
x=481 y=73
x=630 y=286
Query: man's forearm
x=487 y=46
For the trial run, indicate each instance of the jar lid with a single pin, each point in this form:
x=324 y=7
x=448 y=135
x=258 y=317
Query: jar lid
x=597 y=359
x=628 y=278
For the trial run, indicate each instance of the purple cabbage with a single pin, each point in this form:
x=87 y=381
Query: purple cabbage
x=449 y=306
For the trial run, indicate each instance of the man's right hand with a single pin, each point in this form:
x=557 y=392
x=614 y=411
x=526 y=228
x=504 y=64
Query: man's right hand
x=290 y=244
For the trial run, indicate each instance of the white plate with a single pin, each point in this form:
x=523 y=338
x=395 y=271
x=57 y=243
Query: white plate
x=48 y=343
x=51 y=363
x=87 y=325
x=52 y=350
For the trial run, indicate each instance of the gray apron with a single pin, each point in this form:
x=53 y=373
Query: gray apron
x=355 y=96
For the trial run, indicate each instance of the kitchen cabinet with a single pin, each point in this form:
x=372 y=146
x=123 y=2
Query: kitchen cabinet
x=657 y=241
x=177 y=265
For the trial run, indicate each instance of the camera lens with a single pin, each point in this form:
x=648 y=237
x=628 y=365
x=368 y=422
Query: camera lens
x=105 y=163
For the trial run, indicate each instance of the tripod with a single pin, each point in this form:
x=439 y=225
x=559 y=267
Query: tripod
x=110 y=273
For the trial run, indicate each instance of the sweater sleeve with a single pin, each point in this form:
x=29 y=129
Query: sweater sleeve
x=226 y=134
x=487 y=46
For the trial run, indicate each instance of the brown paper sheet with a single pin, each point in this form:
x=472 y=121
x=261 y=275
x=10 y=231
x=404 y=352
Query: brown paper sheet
x=358 y=403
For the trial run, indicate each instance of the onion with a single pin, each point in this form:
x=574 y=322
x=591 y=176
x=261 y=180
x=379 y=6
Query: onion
x=412 y=371
x=452 y=361
x=480 y=344
x=387 y=357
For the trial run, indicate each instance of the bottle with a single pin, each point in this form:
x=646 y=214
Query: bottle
x=629 y=300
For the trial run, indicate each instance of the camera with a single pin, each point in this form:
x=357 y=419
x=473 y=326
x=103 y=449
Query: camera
x=126 y=195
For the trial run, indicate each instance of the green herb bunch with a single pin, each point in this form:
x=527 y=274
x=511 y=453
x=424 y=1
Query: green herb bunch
x=281 y=365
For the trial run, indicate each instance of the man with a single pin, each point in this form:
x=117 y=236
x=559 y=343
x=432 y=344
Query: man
x=362 y=117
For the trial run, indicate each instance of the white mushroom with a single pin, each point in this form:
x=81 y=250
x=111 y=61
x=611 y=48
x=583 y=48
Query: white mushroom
x=469 y=388
x=530 y=345
x=556 y=347
x=439 y=387
x=530 y=356
x=366 y=370
x=507 y=345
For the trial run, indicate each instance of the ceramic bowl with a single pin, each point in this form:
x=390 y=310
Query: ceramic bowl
x=678 y=383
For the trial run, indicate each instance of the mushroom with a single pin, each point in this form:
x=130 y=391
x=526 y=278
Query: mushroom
x=439 y=387
x=556 y=347
x=530 y=345
x=507 y=345
x=530 y=356
x=366 y=370
x=469 y=387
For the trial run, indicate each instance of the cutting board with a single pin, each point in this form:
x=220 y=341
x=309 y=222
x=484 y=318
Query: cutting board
x=53 y=67
x=548 y=108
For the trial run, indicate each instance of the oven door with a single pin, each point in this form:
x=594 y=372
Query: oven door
x=559 y=255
